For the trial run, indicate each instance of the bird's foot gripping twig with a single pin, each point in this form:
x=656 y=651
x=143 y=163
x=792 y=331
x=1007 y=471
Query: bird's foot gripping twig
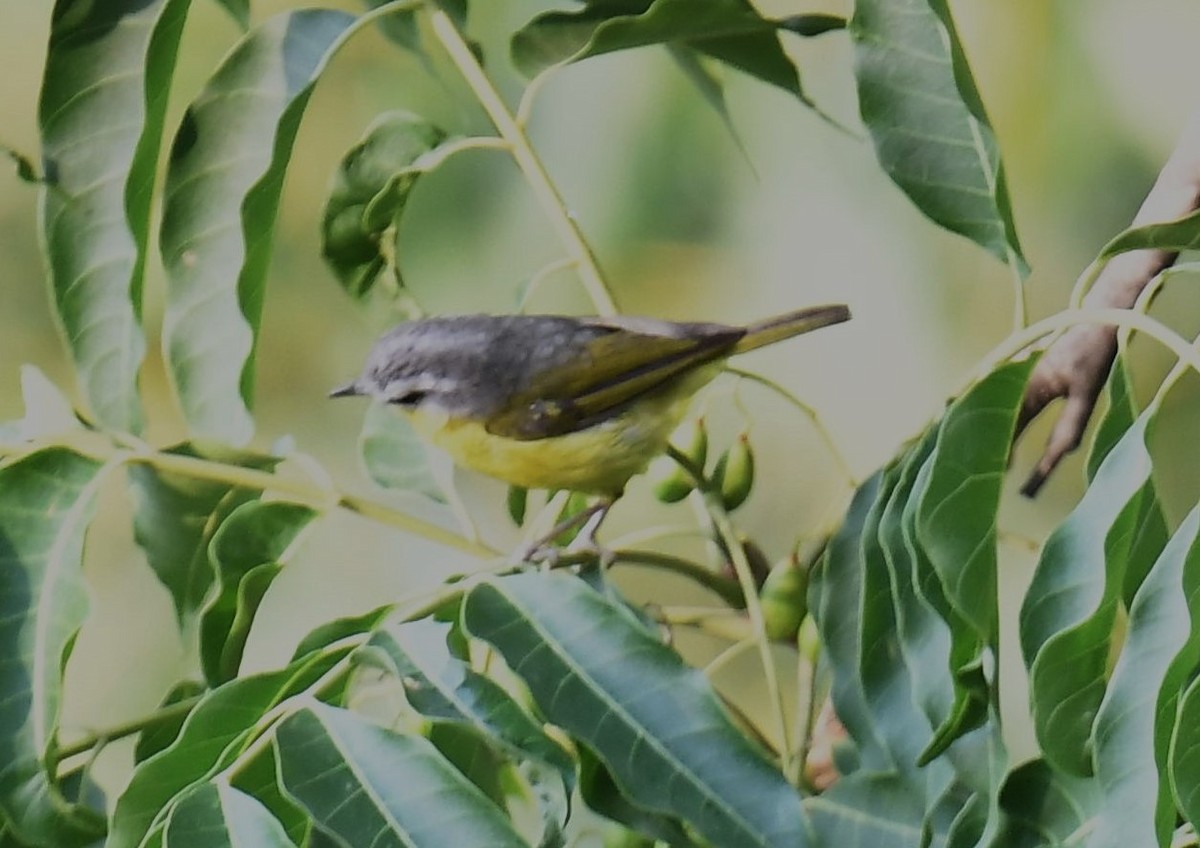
x=583 y=548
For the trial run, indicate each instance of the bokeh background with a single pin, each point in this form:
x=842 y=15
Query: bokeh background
x=688 y=223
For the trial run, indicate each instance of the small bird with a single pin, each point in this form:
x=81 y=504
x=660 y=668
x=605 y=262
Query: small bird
x=557 y=402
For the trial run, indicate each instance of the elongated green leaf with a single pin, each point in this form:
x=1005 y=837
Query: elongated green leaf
x=104 y=92
x=1151 y=524
x=239 y=10
x=601 y=793
x=654 y=721
x=219 y=816
x=731 y=31
x=215 y=731
x=1137 y=717
x=1041 y=807
x=1185 y=752
x=369 y=786
x=836 y=586
x=1069 y=610
x=258 y=776
x=162 y=733
x=221 y=197
x=868 y=810
x=1180 y=234
x=341 y=628
x=394 y=455
x=47 y=500
x=370 y=191
x=927 y=122
x=956 y=517
x=175 y=517
x=444 y=688
x=246 y=553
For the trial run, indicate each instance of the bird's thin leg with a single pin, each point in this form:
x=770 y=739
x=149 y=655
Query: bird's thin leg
x=543 y=550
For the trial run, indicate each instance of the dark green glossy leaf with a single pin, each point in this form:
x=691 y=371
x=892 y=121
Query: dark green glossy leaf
x=731 y=31
x=1040 y=807
x=931 y=135
x=654 y=721
x=956 y=517
x=869 y=810
x=601 y=793
x=444 y=688
x=214 y=733
x=370 y=191
x=175 y=517
x=220 y=200
x=247 y=552
x=370 y=786
x=836 y=587
x=161 y=734
x=1137 y=717
x=1151 y=524
x=104 y=92
x=394 y=455
x=215 y=815
x=1068 y=613
x=341 y=628
x=47 y=500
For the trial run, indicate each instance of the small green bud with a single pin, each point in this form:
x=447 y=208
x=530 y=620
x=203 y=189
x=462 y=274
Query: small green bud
x=693 y=435
x=669 y=482
x=808 y=640
x=784 y=599
x=734 y=474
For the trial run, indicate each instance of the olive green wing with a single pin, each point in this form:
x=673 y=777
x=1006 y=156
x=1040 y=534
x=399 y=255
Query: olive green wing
x=609 y=371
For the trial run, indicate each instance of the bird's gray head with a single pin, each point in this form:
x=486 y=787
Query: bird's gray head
x=468 y=365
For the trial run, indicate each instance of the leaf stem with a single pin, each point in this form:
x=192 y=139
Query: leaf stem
x=741 y=566
x=527 y=160
x=728 y=590
x=101 y=738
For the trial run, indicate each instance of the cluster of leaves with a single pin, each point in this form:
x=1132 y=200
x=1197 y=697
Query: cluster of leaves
x=597 y=709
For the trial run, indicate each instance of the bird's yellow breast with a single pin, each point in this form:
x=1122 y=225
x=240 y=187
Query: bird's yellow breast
x=599 y=459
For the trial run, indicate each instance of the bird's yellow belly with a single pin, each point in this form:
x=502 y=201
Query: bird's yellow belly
x=599 y=459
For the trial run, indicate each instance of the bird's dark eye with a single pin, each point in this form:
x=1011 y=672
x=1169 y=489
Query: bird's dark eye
x=411 y=398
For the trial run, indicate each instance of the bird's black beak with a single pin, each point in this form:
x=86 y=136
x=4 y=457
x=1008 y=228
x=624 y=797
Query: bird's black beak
x=348 y=390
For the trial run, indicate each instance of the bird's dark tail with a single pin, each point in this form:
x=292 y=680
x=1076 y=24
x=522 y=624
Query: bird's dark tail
x=791 y=324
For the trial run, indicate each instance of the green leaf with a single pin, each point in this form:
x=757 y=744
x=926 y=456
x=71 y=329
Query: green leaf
x=370 y=191
x=731 y=31
x=47 y=500
x=1068 y=613
x=341 y=628
x=247 y=552
x=104 y=92
x=370 y=786
x=1185 y=752
x=600 y=792
x=869 y=810
x=402 y=28
x=220 y=200
x=956 y=517
x=258 y=776
x=175 y=517
x=1041 y=807
x=1180 y=234
x=931 y=135
x=161 y=734
x=654 y=721
x=1151 y=523
x=219 y=816
x=394 y=455
x=1136 y=720
x=835 y=589
x=444 y=688
x=214 y=733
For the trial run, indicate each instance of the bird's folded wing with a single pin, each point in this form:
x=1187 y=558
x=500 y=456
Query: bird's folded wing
x=611 y=371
